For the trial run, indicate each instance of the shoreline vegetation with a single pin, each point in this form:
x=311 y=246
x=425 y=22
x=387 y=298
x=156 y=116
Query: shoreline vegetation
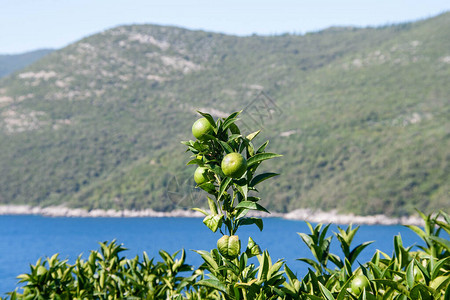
x=310 y=215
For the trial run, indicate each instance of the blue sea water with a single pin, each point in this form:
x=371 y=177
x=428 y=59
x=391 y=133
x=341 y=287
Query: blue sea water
x=24 y=239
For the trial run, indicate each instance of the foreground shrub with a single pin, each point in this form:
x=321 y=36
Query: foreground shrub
x=406 y=274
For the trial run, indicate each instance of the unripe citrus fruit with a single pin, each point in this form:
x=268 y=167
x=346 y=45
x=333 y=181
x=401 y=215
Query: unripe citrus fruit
x=202 y=175
x=229 y=246
x=201 y=127
x=359 y=283
x=234 y=165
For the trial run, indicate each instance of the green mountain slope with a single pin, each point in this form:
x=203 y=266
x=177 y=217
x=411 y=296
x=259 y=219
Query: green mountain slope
x=361 y=116
x=13 y=62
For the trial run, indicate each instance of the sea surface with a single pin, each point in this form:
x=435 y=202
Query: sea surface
x=24 y=239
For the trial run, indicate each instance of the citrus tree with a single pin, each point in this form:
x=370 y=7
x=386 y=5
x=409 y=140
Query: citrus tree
x=227 y=163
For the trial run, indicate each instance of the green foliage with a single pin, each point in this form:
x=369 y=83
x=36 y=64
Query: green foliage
x=108 y=275
x=405 y=275
x=105 y=274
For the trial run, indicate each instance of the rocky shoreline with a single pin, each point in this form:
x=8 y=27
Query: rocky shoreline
x=315 y=216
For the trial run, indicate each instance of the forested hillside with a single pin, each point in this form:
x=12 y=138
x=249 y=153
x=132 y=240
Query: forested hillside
x=361 y=116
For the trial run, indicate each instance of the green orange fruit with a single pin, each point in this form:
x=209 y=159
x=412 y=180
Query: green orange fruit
x=201 y=128
x=202 y=175
x=359 y=283
x=234 y=165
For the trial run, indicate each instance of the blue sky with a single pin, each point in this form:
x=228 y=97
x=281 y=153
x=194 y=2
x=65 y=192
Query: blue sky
x=31 y=24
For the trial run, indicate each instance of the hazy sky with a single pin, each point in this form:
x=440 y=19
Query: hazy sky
x=31 y=24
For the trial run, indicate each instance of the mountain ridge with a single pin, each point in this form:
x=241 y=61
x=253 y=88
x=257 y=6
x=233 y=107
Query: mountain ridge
x=10 y=63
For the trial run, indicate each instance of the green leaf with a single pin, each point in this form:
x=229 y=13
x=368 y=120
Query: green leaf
x=325 y=292
x=252 y=248
x=260 y=157
x=263 y=265
x=243 y=262
x=233 y=137
x=199 y=146
x=393 y=284
x=439 y=283
x=245 y=285
x=291 y=276
x=217 y=170
x=226 y=147
x=313 y=297
x=357 y=250
x=201 y=210
x=234 y=129
x=336 y=260
x=209 y=118
x=252 y=135
x=310 y=262
x=213 y=283
x=410 y=274
x=194 y=161
x=193 y=150
x=208 y=187
x=398 y=245
x=207 y=257
x=306 y=239
x=224 y=186
x=262 y=147
x=241 y=212
x=443 y=242
x=242 y=188
x=375 y=270
x=188 y=143
x=423 y=270
x=261 y=177
x=437 y=267
x=253 y=199
x=250 y=149
x=248 y=221
x=273 y=270
x=213 y=222
x=212 y=206
x=418 y=231
x=445 y=226
x=251 y=205
x=343 y=292
x=420 y=292
x=230 y=120
x=227 y=123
